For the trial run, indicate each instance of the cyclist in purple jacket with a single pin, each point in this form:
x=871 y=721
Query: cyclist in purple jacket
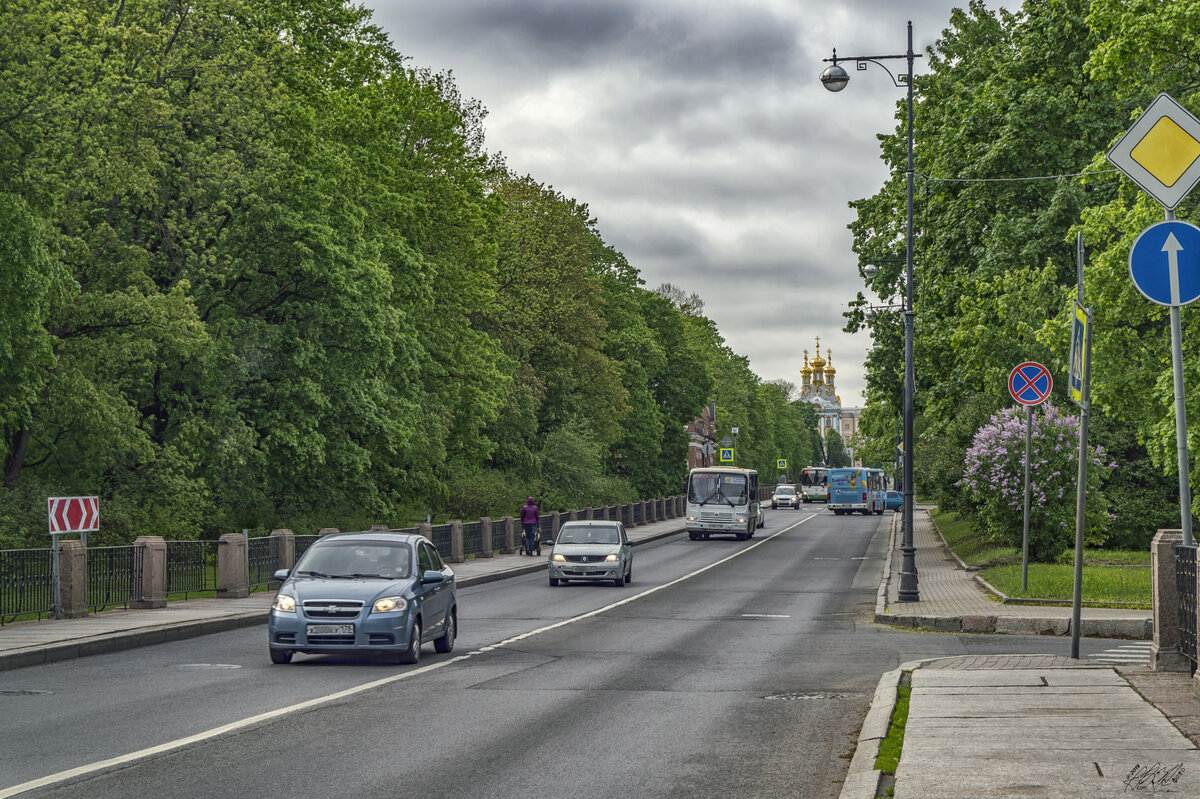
x=529 y=521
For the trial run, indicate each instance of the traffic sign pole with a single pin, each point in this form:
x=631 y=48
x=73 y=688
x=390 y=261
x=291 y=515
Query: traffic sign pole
x=1181 y=444
x=1085 y=365
x=1029 y=384
x=1025 y=523
x=1161 y=153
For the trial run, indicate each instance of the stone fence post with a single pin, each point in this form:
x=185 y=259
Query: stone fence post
x=486 y=547
x=72 y=579
x=285 y=546
x=1165 y=654
x=425 y=529
x=457 y=550
x=556 y=521
x=154 y=573
x=510 y=545
x=231 y=567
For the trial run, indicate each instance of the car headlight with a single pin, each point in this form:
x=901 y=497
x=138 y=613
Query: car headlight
x=389 y=604
x=693 y=518
x=741 y=520
x=558 y=557
x=284 y=603
x=612 y=558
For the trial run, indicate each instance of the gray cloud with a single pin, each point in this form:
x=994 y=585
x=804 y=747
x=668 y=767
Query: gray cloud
x=700 y=137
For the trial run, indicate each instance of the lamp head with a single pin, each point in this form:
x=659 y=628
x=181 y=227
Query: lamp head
x=870 y=271
x=834 y=78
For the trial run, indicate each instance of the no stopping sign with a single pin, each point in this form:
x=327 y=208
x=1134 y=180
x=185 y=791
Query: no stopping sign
x=1030 y=383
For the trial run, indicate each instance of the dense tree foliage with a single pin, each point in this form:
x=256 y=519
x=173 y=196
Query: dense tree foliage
x=1014 y=118
x=257 y=270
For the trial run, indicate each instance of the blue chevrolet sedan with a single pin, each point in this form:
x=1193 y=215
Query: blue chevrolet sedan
x=893 y=500
x=365 y=592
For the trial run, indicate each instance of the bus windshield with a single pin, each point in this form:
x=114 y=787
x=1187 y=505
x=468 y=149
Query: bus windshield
x=708 y=487
x=814 y=477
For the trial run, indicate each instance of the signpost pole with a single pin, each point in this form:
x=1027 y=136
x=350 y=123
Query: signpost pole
x=1081 y=492
x=1029 y=384
x=1025 y=523
x=1181 y=444
x=55 y=575
x=1081 y=473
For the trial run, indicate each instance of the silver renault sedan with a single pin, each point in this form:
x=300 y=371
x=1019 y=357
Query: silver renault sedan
x=591 y=551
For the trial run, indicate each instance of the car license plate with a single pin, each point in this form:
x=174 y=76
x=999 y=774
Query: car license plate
x=331 y=629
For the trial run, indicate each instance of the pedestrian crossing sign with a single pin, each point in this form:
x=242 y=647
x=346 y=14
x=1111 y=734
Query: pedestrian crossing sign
x=783 y=463
x=726 y=454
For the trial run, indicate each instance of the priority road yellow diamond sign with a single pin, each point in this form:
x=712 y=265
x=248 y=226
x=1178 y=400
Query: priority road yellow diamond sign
x=1161 y=151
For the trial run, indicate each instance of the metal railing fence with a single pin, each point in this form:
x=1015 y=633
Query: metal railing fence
x=191 y=567
x=114 y=576
x=303 y=542
x=262 y=559
x=440 y=534
x=26 y=583
x=472 y=533
x=1185 y=584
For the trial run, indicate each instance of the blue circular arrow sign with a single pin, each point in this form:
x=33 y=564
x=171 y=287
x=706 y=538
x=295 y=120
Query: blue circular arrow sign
x=1030 y=383
x=1165 y=263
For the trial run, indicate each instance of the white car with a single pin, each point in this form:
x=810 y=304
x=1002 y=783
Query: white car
x=591 y=551
x=785 y=496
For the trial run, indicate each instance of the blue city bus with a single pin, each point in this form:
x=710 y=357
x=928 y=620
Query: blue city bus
x=856 y=489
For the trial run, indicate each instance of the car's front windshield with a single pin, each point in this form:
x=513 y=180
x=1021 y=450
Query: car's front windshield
x=589 y=534
x=357 y=559
x=785 y=491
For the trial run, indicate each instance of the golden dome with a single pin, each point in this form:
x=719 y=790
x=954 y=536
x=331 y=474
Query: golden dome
x=829 y=370
x=817 y=362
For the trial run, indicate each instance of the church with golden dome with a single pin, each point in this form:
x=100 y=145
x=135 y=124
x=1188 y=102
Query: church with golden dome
x=818 y=386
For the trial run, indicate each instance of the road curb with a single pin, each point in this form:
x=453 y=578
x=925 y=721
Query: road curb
x=862 y=780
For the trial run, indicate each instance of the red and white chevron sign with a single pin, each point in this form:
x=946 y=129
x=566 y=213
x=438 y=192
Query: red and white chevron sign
x=74 y=514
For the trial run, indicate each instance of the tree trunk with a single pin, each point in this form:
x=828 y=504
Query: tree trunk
x=16 y=457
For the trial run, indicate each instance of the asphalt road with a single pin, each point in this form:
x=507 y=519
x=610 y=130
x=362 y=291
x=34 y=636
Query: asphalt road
x=725 y=669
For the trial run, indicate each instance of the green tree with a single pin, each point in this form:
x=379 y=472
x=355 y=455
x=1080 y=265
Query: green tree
x=835 y=449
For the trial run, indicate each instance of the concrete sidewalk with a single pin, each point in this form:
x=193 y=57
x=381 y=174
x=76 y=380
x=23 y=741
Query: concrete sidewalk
x=953 y=599
x=1020 y=725
x=29 y=643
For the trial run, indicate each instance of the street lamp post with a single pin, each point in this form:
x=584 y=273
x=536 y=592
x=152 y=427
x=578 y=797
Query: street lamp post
x=835 y=79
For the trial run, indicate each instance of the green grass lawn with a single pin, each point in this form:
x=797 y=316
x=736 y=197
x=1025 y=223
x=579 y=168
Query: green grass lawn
x=1110 y=577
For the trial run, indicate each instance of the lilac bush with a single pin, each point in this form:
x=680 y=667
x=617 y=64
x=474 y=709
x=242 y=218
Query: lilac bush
x=993 y=481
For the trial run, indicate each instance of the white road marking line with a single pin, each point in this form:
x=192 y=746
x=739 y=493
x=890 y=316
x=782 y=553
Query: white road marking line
x=1136 y=653
x=113 y=763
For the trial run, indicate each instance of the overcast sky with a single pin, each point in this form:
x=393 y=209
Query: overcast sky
x=699 y=135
